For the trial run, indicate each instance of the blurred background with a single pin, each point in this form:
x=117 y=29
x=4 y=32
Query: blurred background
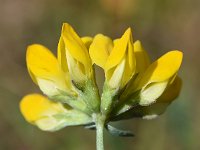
x=160 y=25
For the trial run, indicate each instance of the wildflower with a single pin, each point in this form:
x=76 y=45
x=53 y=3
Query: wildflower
x=50 y=116
x=133 y=87
x=116 y=58
x=76 y=55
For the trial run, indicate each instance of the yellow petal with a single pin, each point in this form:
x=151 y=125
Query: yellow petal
x=35 y=106
x=49 y=87
x=152 y=111
x=152 y=92
x=142 y=58
x=171 y=92
x=50 y=124
x=100 y=49
x=157 y=77
x=76 y=72
x=131 y=57
x=130 y=65
x=45 y=70
x=162 y=69
x=87 y=41
x=61 y=54
x=115 y=80
x=75 y=46
x=41 y=62
x=119 y=50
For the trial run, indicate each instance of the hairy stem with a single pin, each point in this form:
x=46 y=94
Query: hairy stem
x=100 y=121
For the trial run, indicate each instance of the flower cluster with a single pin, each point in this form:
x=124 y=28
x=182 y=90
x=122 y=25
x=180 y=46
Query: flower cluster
x=133 y=87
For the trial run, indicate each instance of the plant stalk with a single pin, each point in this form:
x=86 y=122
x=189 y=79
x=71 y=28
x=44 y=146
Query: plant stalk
x=100 y=121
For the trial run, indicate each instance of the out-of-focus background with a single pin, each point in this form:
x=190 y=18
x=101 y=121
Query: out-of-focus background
x=160 y=25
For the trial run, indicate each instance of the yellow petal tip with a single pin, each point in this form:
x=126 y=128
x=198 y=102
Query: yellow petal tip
x=26 y=108
x=33 y=47
x=65 y=26
x=177 y=55
x=128 y=32
x=138 y=42
x=36 y=106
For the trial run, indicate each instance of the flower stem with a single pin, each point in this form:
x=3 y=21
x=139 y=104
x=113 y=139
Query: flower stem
x=99 y=132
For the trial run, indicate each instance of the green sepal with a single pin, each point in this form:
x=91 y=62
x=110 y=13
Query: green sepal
x=74 y=117
x=90 y=95
x=91 y=126
x=112 y=130
x=118 y=132
x=145 y=112
x=125 y=101
x=73 y=101
x=108 y=99
x=78 y=86
x=126 y=104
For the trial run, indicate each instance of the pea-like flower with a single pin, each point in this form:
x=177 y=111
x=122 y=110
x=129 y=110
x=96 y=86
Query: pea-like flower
x=116 y=58
x=133 y=87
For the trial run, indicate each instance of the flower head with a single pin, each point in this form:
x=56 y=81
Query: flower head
x=133 y=87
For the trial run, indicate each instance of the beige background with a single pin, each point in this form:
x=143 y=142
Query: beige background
x=161 y=25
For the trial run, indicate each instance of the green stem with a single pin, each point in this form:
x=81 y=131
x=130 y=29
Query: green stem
x=100 y=120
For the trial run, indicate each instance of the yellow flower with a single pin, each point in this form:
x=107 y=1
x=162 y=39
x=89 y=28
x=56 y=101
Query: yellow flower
x=152 y=81
x=74 y=52
x=156 y=78
x=46 y=72
x=53 y=75
x=116 y=58
x=48 y=115
x=157 y=108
